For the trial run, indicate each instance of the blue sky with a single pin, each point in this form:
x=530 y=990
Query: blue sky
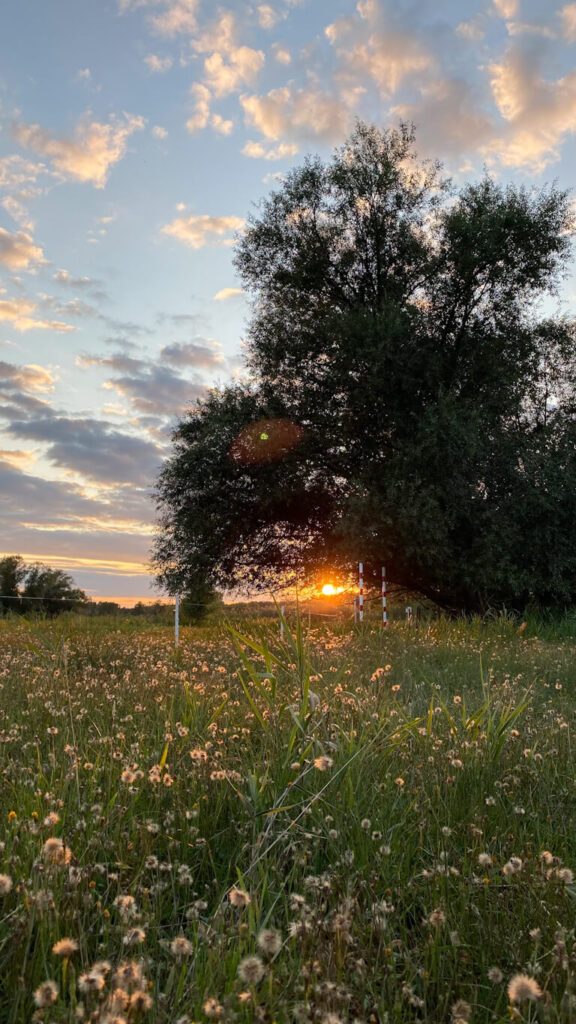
x=135 y=137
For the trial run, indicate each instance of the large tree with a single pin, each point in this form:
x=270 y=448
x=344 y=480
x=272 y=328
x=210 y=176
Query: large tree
x=407 y=401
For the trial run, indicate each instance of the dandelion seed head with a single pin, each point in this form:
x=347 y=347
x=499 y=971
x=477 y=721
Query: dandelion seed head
x=522 y=988
x=65 y=947
x=46 y=994
x=251 y=970
x=269 y=941
x=5 y=885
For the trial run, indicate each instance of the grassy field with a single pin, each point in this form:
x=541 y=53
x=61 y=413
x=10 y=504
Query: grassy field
x=343 y=826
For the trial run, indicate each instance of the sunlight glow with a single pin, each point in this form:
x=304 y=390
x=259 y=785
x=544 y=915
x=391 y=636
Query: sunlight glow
x=330 y=589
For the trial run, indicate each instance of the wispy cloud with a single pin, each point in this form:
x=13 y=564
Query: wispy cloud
x=201 y=230
x=228 y=293
x=87 y=157
x=30 y=378
x=18 y=313
x=18 y=251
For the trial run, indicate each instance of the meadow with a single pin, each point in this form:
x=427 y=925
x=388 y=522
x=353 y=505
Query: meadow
x=343 y=825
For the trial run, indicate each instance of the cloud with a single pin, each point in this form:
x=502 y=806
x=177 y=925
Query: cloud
x=539 y=112
x=201 y=115
x=294 y=113
x=159 y=133
x=92 y=448
x=281 y=54
x=158 y=65
x=199 y=354
x=228 y=293
x=110 y=534
x=178 y=18
x=256 y=150
x=88 y=284
x=30 y=378
x=18 y=251
x=203 y=229
x=221 y=126
x=448 y=118
x=388 y=58
x=241 y=67
x=16 y=171
x=568 y=15
x=18 y=312
x=88 y=157
x=157 y=391
x=154 y=389
x=507 y=8
x=17 y=458
x=268 y=17
x=470 y=30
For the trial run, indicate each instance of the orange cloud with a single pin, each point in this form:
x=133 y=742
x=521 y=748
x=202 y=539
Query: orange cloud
x=90 y=154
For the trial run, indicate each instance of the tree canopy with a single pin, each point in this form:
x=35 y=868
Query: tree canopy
x=36 y=588
x=409 y=400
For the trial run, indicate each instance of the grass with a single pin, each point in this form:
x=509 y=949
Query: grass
x=346 y=825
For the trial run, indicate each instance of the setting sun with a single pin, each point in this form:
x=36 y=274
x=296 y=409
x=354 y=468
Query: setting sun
x=330 y=589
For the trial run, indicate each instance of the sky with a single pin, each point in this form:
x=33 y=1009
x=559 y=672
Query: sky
x=136 y=136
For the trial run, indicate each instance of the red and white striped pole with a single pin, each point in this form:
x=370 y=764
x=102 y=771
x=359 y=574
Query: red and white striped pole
x=384 y=614
x=361 y=591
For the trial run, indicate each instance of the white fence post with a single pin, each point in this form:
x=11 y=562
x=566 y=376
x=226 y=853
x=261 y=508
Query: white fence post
x=361 y=593
x=176 y=620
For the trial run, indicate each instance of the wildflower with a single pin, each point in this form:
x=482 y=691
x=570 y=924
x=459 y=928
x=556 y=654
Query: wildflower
x=323 y=763
x=521 y=988
x=238 y=898
x=485 y=860
x=213 y=1009
x=56 y=852
x=366 y=824
x=461 y=1010
x=251 y=970
x=512 y=866
x=495 y=975
x=128 y=974
x=535 y=934
x=5 y=885
x=134 y=937
x=269 y=941
x=546 y=857
x=92 y=981
x=181 y=946
x=65 y=947
x=565 y=875
x=51 y=819
x=140 y=1001
x=437 y=917
x=46 y=994
x=399 y=781
x=490 y=801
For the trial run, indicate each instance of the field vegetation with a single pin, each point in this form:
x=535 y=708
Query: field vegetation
x=343 y=825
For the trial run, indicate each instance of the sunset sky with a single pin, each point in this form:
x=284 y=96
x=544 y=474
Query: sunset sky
x=135 y=135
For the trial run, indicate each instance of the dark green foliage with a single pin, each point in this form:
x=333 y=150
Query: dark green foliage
x=37 y=588
x=12 y=573
x=395 y=322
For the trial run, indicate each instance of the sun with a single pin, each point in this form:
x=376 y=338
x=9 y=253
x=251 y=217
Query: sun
x=328 y=589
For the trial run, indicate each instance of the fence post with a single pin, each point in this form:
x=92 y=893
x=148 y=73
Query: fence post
x=355 y=609
x=282 y=622
x=361 y=591
x=384 y=611
x=176 y=620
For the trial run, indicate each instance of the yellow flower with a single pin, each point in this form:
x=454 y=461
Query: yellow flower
x=12 y=816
